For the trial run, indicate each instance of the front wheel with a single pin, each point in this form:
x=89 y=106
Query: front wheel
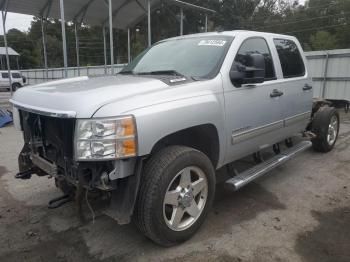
x=177 y=188
x=325 y=126
x=15 y=86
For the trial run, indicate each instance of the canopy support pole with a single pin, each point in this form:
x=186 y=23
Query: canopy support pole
x=104 y=47
x=325 y=73
x=129 y=46
x=181 y=21
x=206 y=23
x=4 y=16
x=64 y=39
x=17 y=60
x=46 y=8
x=111 y=35
x=44 y=47
x=77 y=46
x=149 y=22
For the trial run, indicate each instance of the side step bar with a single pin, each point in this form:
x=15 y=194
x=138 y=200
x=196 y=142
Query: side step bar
x=253 y=173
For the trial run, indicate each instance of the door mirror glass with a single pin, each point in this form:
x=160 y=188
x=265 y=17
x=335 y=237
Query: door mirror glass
x=251 y=73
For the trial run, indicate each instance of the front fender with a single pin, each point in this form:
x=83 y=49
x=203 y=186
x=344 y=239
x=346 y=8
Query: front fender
x=157 y=121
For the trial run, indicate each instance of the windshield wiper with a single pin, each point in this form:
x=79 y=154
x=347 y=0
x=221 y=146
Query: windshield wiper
x=127 y=72
x=199 y=78
x=159 y=72
x=162 y=72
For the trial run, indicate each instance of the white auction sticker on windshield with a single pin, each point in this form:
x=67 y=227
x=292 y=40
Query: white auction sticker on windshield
x=212 y=42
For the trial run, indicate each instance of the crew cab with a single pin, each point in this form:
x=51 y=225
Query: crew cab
x=152 y=137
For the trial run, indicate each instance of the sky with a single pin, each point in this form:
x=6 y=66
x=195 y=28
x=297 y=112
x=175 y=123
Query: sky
x=22 y=22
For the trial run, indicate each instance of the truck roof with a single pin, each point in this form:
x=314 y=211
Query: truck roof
x=233 y=33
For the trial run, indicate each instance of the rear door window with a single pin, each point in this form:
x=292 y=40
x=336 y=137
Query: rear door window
x=4 y=75
x=291 y=61
x=256 y=45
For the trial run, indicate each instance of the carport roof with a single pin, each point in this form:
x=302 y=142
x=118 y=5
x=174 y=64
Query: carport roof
x=10 y=50
x=93 y=12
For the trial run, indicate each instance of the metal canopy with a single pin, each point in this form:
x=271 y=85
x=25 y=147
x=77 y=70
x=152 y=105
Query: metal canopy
x=91 y=12
x=120 y=14
x=191 y=6
x=95 y=12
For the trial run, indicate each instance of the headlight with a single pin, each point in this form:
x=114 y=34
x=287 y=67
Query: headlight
x=105 y=139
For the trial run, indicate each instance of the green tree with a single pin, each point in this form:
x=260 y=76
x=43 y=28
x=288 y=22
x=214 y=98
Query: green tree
x=20 y=42
x=323 y=40
x=319 y=24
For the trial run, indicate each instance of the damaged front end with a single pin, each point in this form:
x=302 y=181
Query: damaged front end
x=83 y=156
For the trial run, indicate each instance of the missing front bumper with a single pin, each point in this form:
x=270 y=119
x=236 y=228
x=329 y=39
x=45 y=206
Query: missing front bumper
x=44 y=165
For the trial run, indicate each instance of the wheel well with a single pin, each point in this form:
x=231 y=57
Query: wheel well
x=203 y=138
x=318 y=103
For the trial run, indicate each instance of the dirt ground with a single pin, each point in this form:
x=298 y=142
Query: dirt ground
x=299 y=212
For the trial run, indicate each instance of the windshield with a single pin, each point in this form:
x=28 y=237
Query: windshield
x=199 y=57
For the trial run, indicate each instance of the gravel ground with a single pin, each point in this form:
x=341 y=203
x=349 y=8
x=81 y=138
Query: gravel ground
x=299 y=212
x=4 y=99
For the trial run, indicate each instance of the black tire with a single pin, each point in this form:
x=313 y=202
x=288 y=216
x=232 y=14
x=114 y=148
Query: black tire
x=289 y=142
x=159 y=172
x=15 y=86
x=65 y=187
x=321 y=126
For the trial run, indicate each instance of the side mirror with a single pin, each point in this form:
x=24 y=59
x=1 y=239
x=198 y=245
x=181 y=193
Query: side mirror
x=254 y=73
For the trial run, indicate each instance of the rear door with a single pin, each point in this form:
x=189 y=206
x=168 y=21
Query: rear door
x=296 y=84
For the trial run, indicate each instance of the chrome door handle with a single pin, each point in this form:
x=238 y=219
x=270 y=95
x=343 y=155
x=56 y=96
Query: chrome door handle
x=276 y=93
x=307 y=87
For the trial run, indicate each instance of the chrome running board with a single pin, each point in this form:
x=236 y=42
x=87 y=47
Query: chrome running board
x=253 y=173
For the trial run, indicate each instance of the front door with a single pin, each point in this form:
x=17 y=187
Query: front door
x=254 y=113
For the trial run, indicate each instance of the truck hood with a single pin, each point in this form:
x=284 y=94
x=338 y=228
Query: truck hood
x=81 y=97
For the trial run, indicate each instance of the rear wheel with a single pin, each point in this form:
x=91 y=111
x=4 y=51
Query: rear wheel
x=325 y=126
x=177 y=189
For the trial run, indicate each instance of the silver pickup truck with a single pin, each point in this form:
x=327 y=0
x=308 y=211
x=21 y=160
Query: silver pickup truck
x=151 y=138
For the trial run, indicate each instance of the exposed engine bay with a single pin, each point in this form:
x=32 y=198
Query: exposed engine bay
x=49 y=151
